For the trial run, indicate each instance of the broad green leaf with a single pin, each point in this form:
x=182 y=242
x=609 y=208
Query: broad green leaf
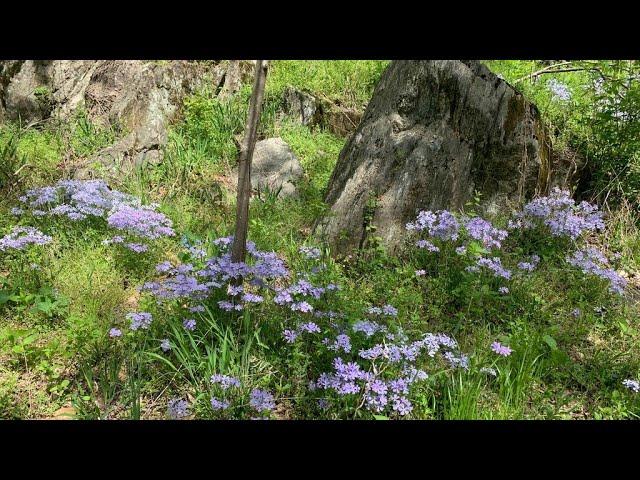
x=549 y=340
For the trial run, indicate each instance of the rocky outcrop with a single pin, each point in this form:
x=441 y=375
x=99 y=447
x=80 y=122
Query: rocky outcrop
x=312 y=110
x=434 y=133
x=140 y=97
x=274 y=167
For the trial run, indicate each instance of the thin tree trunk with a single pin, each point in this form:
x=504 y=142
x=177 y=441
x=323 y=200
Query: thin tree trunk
x=239 y=249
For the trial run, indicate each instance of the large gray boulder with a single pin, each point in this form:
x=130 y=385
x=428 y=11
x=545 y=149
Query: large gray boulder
x=274 y=167
x=434 y=132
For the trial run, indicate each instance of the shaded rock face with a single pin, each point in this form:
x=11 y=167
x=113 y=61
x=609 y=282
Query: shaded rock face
x=274 y=167
x=433 y=133
x=141 y=97
x=309 y=109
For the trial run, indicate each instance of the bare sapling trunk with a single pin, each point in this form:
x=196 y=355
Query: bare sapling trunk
x=239 y=249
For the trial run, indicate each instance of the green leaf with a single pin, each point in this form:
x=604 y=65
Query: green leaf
x=549 y=340
x=29 y=339
x=4 y=297
x=380 y=417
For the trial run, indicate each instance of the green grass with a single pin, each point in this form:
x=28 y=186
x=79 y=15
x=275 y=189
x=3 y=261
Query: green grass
x=347 y=81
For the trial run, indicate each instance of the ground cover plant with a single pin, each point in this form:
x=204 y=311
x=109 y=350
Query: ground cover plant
x=120 y=300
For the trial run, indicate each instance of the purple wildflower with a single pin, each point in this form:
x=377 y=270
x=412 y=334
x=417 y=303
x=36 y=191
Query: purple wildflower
x=531 y=265
x=217 y=404
x=139 y=320
x=115 y=332
x=401 y=404
x=390 y=310
x=500 y=349
x=559 y=90
x=593 y=262
x=480 y=229
x=309 y=327
x=312 y=253
x=495 y=265
x=367 y=327
x=342 y=342
x=301 y=307
x=252 y=298
x=20 y=237
x=290 y=336
x=178 y=408
x=225 y=381
x=189 y=324
x=560 y=214
x=261 y=400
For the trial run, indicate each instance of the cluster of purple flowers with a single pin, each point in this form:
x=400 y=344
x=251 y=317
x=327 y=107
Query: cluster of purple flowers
x=115 y=332
x=179 y=283
x=495 y=265
x=530 y=265
x=21 y=237
x=368 y=327
x=500 y=349
x=139 y=320
x=388 y=310
x=342 y=342
x=81 y=199
x=311 y=253
x=593 y=262
x=632 y=385
x=220 y=269
x=296 y=294
x=252 y=298
x=482 y=230
x=560 y=214
x=559 y=90
x=261 y=400
x=385 y=384
x=178 y=408
x=76 y=199
x=218 y=404
x=225 y=381
x=441 y=225
x=292 y=335
x=140 y=222
x=378 y=394
x=185 y=282
x=189 y=324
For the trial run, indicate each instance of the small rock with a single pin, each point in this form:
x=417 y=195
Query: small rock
x=302 y=106
x=274 y=167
